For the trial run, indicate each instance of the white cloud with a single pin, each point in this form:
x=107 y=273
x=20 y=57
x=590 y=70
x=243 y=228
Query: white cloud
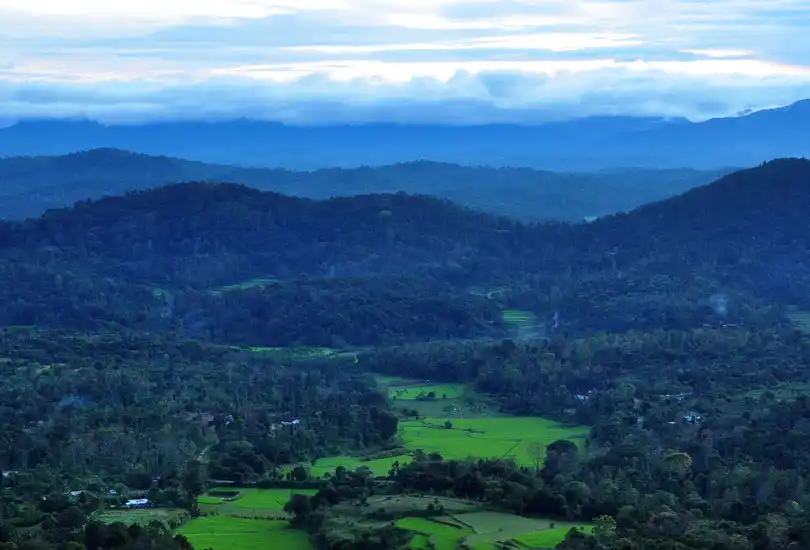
x=365 y=59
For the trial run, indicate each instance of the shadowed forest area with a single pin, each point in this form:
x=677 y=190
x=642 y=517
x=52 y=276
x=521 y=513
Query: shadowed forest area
x=32 y=185
x=391 y=370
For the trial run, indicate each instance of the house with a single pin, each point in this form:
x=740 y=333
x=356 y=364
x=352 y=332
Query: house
x=137 y=503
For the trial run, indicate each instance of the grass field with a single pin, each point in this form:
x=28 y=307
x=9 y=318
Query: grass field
x=250 y=503
x=228 y=533
x=445 y=537
x=491 y=437
x=483 y=530
x=519 y=317
x=140 y=516
x=409 y=390
x=549 y=538
x=495 y=437
x=492 y=527
x=477 y=430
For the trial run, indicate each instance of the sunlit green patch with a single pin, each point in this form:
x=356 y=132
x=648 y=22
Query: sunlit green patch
x=549 y=538
x=517 y=438
x=519 y=317
x=443 y=536
x=229 y=533
x=425 y=391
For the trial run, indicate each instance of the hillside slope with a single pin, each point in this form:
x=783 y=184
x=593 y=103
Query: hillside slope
x=213 y=257
x=32 y=185
x=750 y=226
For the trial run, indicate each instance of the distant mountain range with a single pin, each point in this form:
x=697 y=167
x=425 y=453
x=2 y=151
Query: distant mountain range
x=32 y=185
x=582 y=144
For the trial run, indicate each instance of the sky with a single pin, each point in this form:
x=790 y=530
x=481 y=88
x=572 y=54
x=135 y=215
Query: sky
x=450 y=61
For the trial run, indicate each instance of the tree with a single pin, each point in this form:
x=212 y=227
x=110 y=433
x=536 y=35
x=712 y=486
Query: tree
x=536 y=453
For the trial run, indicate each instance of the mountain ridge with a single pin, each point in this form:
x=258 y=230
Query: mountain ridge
x=578 y=144
x=32 y=185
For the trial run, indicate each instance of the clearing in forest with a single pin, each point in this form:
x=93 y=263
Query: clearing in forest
x=249 y=503
x=229 y=533
x=493 y=527
x=486 y=531
x=496 y=437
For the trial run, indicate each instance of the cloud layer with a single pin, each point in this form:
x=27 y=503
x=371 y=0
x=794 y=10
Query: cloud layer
x=456 y=61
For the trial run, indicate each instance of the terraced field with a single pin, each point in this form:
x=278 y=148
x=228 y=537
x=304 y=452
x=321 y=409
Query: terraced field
x=486 y=531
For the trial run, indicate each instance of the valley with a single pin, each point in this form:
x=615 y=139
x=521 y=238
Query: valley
x=208 y=365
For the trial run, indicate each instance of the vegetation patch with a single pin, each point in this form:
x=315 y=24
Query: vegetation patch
x=142 y=516
x=519 y=438
x=258 y=282
x=269 y=499
x=800 y=318
x=443 y=536
x=228 y=533
x=499 y=527
x=548 y=538
x=519 y=317
x=425 y=391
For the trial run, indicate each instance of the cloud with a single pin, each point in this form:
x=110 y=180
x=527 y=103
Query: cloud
x=358 y=60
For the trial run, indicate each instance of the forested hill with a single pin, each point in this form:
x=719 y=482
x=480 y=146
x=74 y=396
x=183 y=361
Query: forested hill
x=748 y=227
x=31 y=185
x=210 y=257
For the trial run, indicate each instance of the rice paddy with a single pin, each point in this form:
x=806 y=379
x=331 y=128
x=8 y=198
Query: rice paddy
x=228 y=533
x=248 y=503
x=519 y=317
x=486 y=531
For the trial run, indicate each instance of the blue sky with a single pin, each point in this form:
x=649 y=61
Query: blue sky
x=452 y=61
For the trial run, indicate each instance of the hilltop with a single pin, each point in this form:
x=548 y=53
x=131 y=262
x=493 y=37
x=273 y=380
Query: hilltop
x=32 y=185
x=580 y=144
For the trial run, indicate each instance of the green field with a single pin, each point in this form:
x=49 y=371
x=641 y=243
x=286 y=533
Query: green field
x=494 y=437
x=547 y=539
x=483 y=530
x=249 y=503
x=407 y=390
x=228 y=533
x=445 y=537
x=519 y=317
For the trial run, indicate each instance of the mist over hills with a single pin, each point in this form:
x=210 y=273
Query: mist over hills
x=32 y=185
x=580 y=144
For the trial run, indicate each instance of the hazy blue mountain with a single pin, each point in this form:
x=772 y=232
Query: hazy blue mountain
x=32 y=185
x=583 y=144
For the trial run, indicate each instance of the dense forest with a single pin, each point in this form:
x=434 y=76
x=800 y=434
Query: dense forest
x=32 y=185
x=199 y=333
